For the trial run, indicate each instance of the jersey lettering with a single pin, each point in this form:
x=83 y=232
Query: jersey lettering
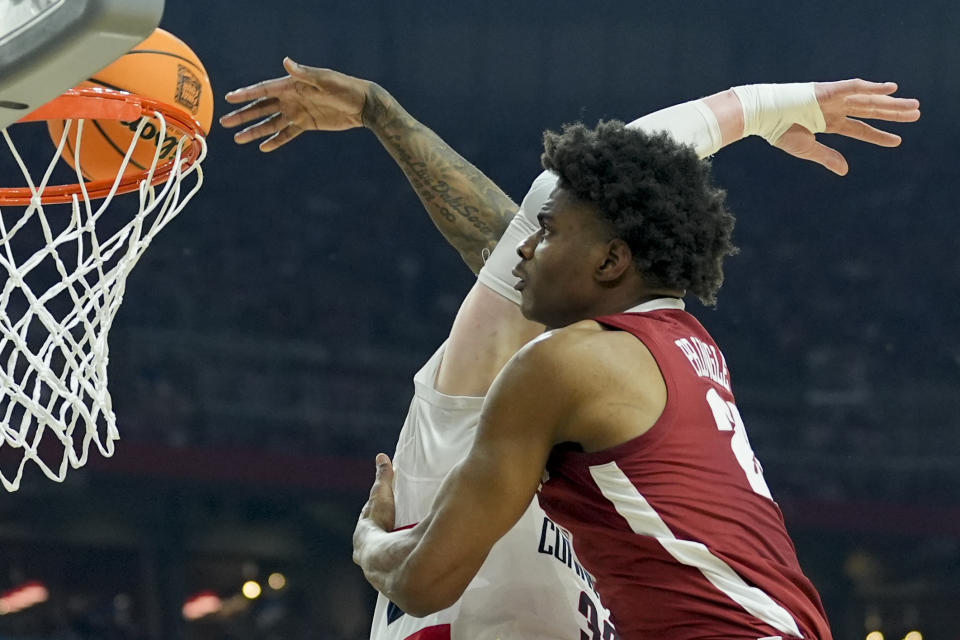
x=728 y=419
x=706 y=360
x=593 y=631
x=554 y=542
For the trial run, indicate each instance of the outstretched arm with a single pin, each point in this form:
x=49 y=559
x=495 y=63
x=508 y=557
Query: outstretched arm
x=489 y=327
x=467 y=207
x=787 y=116
x=470 y=210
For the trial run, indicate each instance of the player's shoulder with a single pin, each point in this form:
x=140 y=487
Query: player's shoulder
x=580 y=348
x=560 y=342
x=586 y=370
x=582 y=336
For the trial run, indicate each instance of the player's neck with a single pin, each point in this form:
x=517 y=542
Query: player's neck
x=610 y=305
x=619 y=304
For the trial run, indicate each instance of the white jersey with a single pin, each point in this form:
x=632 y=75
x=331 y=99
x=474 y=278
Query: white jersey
x=531 y=586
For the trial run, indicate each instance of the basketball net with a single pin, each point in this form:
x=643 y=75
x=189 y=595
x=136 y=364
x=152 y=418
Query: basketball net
x=67 y=261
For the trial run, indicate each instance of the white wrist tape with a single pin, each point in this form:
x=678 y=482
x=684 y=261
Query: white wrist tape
x=770 y=109
x=496 y=272
x=691 y=123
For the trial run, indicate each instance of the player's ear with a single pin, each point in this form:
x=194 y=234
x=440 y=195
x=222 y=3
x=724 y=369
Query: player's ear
x=615 y=263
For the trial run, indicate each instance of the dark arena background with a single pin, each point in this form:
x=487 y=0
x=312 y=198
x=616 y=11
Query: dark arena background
x=265 y=348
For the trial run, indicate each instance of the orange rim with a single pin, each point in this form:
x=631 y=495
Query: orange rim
x=106 y=104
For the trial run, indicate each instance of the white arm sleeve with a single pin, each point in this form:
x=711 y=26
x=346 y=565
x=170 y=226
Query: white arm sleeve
x=496 y=272
x=691 y=123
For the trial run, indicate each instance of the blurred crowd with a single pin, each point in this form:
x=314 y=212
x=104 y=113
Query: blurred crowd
x=286 y=310
x=299 y=327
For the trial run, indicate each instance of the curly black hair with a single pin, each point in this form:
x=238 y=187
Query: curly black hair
x=656 y=194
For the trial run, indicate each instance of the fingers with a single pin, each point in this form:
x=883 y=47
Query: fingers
x=823 y=155
x=830 y=90
x=327 y=79
x=260 y=108
x=270 y=88
x=268 y=127
x=378 y=512
x=800 y=143
x=379 y=508
x=856 y=85
x=280 y=138
x=383 y=484
x=385 y=470
x=867 y=133
x=264 y=89
x=296 y=69
x=275 y=127
x=879 y=107
x=829 y=158
x=863 y=99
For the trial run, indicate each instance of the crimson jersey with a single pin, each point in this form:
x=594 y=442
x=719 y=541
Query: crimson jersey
x=677 y=524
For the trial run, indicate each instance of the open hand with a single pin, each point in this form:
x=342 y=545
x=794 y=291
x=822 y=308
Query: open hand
x=309 y=99
x=842 y=103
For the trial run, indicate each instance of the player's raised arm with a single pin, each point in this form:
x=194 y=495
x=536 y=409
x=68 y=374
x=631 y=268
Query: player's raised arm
x=788 y=116
x=468 y=208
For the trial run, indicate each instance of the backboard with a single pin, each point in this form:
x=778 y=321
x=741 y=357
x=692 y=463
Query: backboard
x=48 y=46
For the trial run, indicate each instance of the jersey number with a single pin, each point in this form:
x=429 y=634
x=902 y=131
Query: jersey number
x=589 y=612
x=728 y=419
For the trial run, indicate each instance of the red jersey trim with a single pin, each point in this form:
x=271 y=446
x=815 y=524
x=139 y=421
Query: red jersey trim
x=643 y=519
x=436 y=632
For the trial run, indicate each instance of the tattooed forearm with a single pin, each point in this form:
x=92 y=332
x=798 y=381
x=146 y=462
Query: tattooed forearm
x=468 y=208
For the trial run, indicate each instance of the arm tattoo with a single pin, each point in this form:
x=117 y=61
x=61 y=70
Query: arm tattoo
x=466 y=206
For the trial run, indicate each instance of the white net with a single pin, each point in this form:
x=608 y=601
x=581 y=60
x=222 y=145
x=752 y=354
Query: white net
x=66 y=269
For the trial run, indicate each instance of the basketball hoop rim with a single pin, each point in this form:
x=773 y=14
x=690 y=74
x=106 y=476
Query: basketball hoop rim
x=108 y=104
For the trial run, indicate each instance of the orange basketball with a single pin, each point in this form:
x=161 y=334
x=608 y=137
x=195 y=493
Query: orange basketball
x=162 y=67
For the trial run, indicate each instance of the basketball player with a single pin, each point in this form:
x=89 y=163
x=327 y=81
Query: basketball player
x=531 y=585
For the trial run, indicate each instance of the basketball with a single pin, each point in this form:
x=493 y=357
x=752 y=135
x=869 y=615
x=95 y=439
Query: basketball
x=162 y=67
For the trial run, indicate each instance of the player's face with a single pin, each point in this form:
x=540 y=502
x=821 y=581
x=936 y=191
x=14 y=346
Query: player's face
x=559 y=260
